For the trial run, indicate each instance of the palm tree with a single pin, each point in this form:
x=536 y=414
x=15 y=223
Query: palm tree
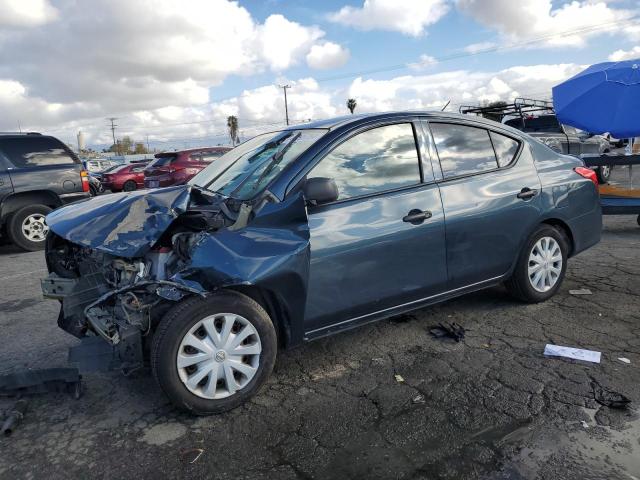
x=351 y=104
x=232 y=125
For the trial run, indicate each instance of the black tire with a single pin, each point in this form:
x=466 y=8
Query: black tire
x=15 y=230
x=179 y=320
x=93 y=191
x=129 y=186
x=519 y=285
x=604 y=174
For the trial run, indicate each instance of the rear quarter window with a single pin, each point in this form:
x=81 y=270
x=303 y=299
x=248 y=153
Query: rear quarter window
x=505 y=147
x=36 y=151
x=462 y=149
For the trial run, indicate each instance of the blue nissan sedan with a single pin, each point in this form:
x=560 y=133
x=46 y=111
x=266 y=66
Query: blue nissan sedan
x=309 y=231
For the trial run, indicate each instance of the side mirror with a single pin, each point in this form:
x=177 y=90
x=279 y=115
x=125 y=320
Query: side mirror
x=320 y=190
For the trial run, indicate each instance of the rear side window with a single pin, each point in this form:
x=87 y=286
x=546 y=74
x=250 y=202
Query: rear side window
x=36 y=151
x=162 y=161
x=379 y=159
x=505 y=147
x=463 y=150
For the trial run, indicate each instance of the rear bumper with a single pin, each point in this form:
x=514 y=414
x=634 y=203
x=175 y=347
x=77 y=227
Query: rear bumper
x=160 y=181
x=586 y=230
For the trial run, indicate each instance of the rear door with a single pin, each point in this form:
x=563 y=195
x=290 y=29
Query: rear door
x=490 y=194
x=42 y=163
x=366 y=253
x=5 y=180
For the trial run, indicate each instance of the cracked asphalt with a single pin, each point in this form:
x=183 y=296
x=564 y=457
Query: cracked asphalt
x=384 y=401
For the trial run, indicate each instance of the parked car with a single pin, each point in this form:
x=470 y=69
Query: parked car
x=309 y=231
x=538 y=119
x=177 y=168
x=124 y=178
x=37 y=174
x=95 y=187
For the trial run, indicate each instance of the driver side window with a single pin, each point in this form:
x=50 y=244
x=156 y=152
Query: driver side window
x=380 y=159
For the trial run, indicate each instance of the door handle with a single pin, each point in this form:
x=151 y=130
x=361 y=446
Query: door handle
x=416 y=217
x=526 y=193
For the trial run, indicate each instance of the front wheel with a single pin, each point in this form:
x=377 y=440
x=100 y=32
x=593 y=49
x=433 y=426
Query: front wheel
x=541 y=266
x=211 y=355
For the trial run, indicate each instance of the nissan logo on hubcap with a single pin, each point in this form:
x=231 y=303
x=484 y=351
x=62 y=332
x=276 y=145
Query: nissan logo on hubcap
x=220 y=356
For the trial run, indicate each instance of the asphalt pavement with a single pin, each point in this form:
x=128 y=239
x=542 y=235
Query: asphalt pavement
x=384 y=401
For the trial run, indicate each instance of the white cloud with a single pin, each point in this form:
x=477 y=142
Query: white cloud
x=327 y=55
x=410 y=17
x=26 y=13
x=527 y=19
x=620 y=55
x=77 y=62
x=425 y=61
x=479 y=47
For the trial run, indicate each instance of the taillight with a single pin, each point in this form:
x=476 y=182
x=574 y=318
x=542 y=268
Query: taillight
x=84 y=177
x=587 y=173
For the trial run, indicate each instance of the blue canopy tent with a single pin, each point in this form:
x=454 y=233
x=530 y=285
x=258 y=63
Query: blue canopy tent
x=605 y=98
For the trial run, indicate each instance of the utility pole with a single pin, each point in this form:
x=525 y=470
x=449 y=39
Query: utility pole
x=148 y=149
x=113 y=133
x=286 y=107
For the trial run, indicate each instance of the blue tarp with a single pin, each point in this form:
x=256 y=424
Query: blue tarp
x=603 y=98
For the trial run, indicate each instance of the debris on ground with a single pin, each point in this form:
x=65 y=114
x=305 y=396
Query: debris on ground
x=448 y=330
x=584 y=424
x=570 y=352
x=418 y=399
x=609 y=398
x=191 y=456
x=624 y=360
x=581 y=291
x=398 y=378
x=31 y=382
x=13 y=417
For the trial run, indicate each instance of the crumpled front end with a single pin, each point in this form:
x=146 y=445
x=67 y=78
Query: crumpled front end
x=117 y=284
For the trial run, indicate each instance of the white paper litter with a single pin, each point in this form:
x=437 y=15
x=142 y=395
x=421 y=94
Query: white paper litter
x=399 y=378
x=624 y=360
x=581 y=291
x=569 y=352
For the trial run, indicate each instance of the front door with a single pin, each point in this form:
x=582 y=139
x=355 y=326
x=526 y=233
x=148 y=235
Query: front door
x=382 y=243
x=491 y=198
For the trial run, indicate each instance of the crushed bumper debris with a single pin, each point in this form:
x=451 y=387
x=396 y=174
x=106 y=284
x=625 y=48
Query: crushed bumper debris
x=624 y=360
x=32 y=382
x=448 y=330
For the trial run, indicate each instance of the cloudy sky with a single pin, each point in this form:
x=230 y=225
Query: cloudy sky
x=174 y=70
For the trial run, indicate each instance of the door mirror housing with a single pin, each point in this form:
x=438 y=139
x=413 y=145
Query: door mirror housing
x=320 y=190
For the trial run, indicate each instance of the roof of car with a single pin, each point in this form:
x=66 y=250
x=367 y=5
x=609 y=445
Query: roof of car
x=189 y=150
x=332 y=123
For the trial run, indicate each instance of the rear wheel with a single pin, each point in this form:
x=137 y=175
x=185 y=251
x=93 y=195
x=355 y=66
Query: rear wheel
x=541 y=266
x=27 y=228
x=211 y=355
x=129 y=186
x=604 y=173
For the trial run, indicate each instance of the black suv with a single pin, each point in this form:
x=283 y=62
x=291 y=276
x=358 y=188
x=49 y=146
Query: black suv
x=37 y=174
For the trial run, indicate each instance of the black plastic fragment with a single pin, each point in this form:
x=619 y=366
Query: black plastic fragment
x=14 y=417
x=448 y=330
x=30 y=382
x=609 y=398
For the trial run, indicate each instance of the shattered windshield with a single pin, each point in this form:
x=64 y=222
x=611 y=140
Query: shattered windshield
x=247 y=169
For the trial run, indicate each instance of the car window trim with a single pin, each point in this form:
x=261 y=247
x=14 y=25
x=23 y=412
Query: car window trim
x=488 y=129
x=296 y=182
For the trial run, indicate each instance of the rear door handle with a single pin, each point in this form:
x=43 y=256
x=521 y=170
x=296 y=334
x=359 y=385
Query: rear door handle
x=526 y=193
x=416 y=217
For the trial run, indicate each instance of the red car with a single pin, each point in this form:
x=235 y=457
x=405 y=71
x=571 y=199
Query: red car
x=124 y=177
x=177 y=168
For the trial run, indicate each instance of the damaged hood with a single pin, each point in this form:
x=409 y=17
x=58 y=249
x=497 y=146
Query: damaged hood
x=121 y=224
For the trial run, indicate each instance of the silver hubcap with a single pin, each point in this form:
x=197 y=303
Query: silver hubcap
x=545 y=264
x=34 y=228
x=219 y=356
x=605 y=170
